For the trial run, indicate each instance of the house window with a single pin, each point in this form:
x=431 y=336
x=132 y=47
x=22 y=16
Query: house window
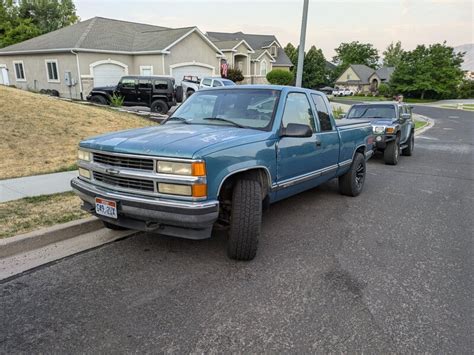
x=348 y=76
x=146 y=70
x=274 y=51
x=19 y=71
x=263 y=68
x=52 y=70
x=240 y=65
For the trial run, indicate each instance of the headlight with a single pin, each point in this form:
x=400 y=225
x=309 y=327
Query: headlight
x=174 y=189
x=177 y=168
x=379 y=129
x=84 y=155
x=85 y=173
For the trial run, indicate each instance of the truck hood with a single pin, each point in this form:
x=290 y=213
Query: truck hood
x=383 y=121
x=105 y=88
x=175 y=140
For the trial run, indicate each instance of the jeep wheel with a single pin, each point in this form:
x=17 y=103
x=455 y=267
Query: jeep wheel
x=97 y=99
x=159 y=106
x=245 y=220
x=112 y=226
x=391 y=154
x=189 y=93
x=408 y=151
x=352 y=182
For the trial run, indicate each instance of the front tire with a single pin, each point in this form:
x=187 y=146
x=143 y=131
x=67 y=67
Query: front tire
x=408 y=151
x=97 y=99
x=159 y=106
x=352 y=182
x=391 y=153
x=245 y=220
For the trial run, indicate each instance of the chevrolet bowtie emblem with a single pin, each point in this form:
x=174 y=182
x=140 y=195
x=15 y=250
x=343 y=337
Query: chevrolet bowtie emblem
x=112 y=171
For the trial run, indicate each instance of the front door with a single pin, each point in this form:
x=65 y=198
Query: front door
x=298 y=157
x=144 y=92
x=128 y=89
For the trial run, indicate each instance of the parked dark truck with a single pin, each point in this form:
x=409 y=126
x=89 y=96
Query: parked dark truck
x=156 y=92
x=393 y=127
x=223 y=155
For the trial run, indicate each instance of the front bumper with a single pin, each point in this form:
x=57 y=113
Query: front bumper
x=191 y=220
x=381 y=141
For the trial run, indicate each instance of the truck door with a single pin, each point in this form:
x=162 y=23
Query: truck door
x=404 y=123
x=128 y=89
x=298 y=158
x=144 y=91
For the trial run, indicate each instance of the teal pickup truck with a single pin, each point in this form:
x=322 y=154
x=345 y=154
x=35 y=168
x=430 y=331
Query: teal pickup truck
x=223 y=156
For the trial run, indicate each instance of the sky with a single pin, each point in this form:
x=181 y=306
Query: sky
x=329 y=22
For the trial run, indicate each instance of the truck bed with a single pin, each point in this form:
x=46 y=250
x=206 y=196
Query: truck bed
x=352 y=122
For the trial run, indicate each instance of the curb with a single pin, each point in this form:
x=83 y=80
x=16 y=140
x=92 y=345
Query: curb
x=37 y=239
x=430 y=124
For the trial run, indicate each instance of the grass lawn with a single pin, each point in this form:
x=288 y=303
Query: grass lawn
x=30 y=213
x=40 y=134
x=420 y=123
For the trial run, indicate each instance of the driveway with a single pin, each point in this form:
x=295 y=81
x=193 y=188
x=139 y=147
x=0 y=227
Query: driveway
x=390 y=270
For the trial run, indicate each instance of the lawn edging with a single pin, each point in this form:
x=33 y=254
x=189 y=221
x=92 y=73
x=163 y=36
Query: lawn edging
x=42 y=237
x=429 y=124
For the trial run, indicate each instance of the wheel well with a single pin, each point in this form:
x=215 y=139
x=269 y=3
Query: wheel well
x=360 y=149
x=190 y=90
x=259 y=174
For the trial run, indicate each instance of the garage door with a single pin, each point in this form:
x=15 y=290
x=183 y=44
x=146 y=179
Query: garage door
x=194 y=70
x=107 y=74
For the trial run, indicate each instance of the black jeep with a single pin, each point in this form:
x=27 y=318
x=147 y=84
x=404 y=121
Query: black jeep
x=156 y=92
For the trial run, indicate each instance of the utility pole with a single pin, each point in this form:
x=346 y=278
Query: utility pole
x=299 y=69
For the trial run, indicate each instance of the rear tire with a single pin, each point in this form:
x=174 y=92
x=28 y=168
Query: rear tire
x=97 y=99
x=245 y=221
x=391 y=153
x=159 y=106
x=112 y=226
x=189 y=93
x=352 y=182
x=408 y=151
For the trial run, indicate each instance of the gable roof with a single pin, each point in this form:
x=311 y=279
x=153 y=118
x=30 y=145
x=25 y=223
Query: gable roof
x=385 y=73
x=256 y=41
x=103 y=34
x=364 y=73
x=259 y=53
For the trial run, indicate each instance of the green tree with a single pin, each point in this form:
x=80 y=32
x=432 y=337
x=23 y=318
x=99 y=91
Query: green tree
x=292 y=53
x=24 y=30
x=355 y=53
x=466 y=90
x=315 y=69
x=433 y=71
x=384 y=90
x=280 y=77
x=48 y=15
x=393 y=54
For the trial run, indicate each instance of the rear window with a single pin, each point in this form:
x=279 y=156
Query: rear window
x=372 y=111
x=160 y=84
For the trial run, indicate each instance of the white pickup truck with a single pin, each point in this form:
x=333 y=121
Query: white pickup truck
x=191 y=84
x=342 y=92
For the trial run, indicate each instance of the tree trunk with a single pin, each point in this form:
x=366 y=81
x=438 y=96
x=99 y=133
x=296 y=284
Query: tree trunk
x=422 y=95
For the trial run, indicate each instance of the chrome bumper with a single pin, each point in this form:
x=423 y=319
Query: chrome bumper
x=185 y=219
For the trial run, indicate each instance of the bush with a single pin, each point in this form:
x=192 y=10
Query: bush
x=116 y=100
x=280 y=77
x=337 y=112
x=235 y=75
x=466 y=90
x=385 y=90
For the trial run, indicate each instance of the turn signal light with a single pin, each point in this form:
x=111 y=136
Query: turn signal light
x=200 y=190
x=199 y=169
x=390 y=130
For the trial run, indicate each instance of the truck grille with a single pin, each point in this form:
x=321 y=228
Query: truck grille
x=128 y=183
x=124 y=162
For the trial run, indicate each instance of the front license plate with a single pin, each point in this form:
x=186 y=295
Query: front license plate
x=106 y=208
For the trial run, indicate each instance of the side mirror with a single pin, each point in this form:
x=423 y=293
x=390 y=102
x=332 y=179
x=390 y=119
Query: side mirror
x=405 y=116
x=297 y=130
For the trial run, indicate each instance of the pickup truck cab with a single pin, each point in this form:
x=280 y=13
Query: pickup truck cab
x=222 y=156
x=156 y=92
x=393 y=127
x=193 y=84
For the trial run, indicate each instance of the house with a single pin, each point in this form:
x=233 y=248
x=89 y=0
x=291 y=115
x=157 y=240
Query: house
x=255 y=55
x=363 y=79
x=99 y=51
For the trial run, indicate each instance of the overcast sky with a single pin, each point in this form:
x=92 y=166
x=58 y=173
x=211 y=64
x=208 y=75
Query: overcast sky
x=330 y=22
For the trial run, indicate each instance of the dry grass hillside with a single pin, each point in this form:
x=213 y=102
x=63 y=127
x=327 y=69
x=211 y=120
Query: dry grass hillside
x=40 y=134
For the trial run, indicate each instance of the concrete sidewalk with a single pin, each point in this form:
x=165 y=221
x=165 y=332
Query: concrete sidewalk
x=14 y=189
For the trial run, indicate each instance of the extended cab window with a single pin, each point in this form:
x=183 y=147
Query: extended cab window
x=216 y=83
x=128 y=83
x=206 y=82
x=160 y=84
x=298 y=110
x=323 y=113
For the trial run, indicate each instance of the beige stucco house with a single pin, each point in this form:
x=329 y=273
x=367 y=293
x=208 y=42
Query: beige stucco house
x=99 y=51
x=363 y=79
x=255 y=55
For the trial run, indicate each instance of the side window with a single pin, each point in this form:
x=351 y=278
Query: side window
x=206 y=82
x=128 y=83
x=323 y=113
x=216 y=83
x=144 y=84
x=298 y=110
x=160 y=84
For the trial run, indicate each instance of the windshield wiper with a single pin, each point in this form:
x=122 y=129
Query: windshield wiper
x=176 y=118
x=223 y=120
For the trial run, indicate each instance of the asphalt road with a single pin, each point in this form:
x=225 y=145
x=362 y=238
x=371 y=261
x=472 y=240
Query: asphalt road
x=390 y=270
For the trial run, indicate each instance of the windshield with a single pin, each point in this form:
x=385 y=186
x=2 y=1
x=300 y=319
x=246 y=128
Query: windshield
x=372 y=111
x=249 y=108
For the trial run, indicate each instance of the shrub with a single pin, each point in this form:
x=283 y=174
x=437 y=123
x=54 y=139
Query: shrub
x=385 y=90
x=280 y=77
x=116 y=100
x=337 y=112
x=466 y=90
x=235 y=75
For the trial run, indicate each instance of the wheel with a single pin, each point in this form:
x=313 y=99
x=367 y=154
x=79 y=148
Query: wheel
x=352 y=182
x=179 y=93
x=245 y=220
x=189 y=93
x=97 y=99
x=408 y=151
x=159 y=106
x=392 y=152
x=115 y=227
